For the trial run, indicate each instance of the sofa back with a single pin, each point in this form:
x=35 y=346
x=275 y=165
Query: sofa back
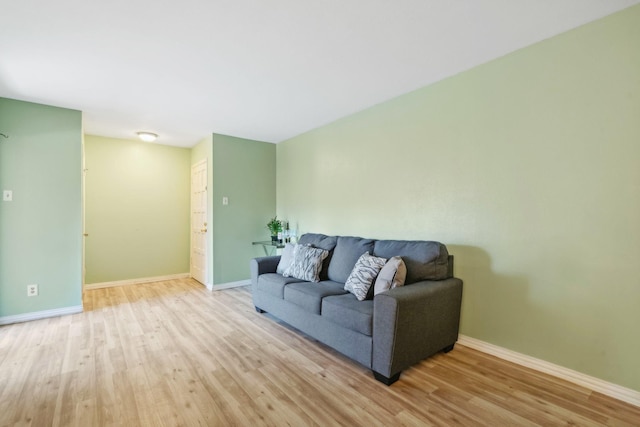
x=425 y=260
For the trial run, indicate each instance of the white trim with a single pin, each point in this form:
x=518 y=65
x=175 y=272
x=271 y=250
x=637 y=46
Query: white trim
x=35 y=315
x=229 y=285
x=136 y=281
x=612 y=390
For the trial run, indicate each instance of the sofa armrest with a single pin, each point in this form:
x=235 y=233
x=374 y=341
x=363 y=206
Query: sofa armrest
x=258 y=266
x=413 y=322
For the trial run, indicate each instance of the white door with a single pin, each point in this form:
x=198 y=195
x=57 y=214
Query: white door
x=84 y=211
x=199 y=221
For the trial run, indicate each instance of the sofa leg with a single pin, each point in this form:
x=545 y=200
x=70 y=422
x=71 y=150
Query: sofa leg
x=386 y=380
x=448 y=348
x=259 y=310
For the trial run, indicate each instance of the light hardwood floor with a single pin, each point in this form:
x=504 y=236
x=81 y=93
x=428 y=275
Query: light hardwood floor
x=172 y=353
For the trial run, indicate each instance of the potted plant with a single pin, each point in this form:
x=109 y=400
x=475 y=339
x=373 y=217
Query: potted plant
x=275 y=226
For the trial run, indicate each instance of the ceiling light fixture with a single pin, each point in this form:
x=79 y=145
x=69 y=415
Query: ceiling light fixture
x=147 y=136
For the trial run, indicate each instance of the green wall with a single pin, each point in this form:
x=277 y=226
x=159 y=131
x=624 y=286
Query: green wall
x=528 y=168
x=41 y=229
x=203 y=150
x=137 y=209
x=244 y=171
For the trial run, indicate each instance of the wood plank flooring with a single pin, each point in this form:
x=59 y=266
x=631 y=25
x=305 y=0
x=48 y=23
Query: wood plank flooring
x=174 y=354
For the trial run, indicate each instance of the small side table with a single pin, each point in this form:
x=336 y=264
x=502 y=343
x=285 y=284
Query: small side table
x=270 y=247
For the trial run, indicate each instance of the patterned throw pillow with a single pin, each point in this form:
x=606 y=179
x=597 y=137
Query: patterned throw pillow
x=306 y=263
x=392 y=275
x=366 y=269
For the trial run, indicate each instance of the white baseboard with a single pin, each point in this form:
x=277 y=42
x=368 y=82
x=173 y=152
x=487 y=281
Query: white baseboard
x=229 y=285
x=136 y=281
x=18 y=318
x=609 y=389
x=208 y=285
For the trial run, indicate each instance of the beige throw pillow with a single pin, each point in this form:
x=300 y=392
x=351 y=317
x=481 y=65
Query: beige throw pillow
x=392 y=275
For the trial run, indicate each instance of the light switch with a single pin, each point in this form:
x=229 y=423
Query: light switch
x=7 y=195
x=225 y=201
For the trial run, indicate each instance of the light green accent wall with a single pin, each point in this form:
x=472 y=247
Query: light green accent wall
x=41 y=229
x=137 y=209
x=528 y=169
x=245 y=172
x=203 y=150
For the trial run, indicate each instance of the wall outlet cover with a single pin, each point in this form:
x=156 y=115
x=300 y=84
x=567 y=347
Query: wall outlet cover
x=32 y=290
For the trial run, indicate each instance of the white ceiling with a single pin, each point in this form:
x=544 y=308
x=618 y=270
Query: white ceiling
x=259 y=69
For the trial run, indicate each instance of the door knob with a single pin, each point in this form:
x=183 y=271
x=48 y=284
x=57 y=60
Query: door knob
x=204 y=230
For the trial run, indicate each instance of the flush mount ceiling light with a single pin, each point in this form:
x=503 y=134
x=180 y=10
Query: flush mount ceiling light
x=147 y=136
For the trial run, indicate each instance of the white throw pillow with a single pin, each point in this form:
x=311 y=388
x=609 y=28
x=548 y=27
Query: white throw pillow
x=285 y=258
x=364 y=272
x=392 y=275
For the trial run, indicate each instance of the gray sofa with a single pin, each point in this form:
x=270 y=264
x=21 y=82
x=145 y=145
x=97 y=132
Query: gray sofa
x=392 y=331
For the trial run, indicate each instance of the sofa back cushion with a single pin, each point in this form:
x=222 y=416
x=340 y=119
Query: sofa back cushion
x=328 y=243
x=424 y=260
x=345 y=256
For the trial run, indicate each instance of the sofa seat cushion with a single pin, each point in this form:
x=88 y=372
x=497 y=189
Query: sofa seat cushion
x=348 y=312
x=274 y=284
x=309 y=295
x=345 y=256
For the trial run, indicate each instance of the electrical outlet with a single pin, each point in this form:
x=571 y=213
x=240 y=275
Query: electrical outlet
x=32 y=290
x=7 y=195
